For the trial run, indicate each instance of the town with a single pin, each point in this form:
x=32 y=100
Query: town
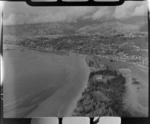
x=121 y=48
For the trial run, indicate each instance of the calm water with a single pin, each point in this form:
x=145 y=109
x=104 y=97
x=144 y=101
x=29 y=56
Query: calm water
x=30 y=74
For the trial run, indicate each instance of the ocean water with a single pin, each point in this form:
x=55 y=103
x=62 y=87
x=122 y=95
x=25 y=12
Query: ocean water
x=30 y=77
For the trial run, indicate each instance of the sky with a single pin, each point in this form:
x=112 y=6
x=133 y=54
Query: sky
x=20 y=12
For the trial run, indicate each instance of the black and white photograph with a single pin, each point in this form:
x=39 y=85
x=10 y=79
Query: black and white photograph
x=65 y=120
x=75 y=61
x=77 y=120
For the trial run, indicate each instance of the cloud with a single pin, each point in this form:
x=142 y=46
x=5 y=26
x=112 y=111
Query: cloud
x=101 y=12
x=130 y=8
x=65 y=14
x=14 y=19
x=105 y=12
x=20 y=12
x=140 y=10
x=47 y=14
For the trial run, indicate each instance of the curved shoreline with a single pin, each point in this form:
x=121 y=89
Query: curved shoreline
x=130 y=104
x=56 y=109
x=66 y=109
x=74 y=102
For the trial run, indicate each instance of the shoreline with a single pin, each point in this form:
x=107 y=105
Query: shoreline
x=74 y=102
x=72 y=105
x=62 y=52
x=137 y=109
x=68 y=111
x=64 y=109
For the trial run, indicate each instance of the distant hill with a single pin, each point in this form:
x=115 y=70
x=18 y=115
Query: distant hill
x=144 y=27
x=141 y=21
x=39 y=29
x=101 y=27
x=109 y=28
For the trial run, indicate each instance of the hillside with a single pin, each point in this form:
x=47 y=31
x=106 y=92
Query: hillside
x=104 y=28
x=109 y=28
x=39 y=29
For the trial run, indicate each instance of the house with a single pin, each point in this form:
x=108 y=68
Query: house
x=98 y=77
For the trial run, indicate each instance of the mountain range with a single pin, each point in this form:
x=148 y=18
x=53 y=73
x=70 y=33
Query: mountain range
x=104 y=27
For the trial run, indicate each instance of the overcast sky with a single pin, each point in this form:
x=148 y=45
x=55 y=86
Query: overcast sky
x=20 y=13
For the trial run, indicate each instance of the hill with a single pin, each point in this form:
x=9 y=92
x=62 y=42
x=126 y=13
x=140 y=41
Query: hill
x=82 y=27
x=109 y=28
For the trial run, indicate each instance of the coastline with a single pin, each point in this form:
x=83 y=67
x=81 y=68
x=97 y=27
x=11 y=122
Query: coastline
x=130 y=107
x=72 y=93
x=68 y=108
x=75 y=72
x=85 y=84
